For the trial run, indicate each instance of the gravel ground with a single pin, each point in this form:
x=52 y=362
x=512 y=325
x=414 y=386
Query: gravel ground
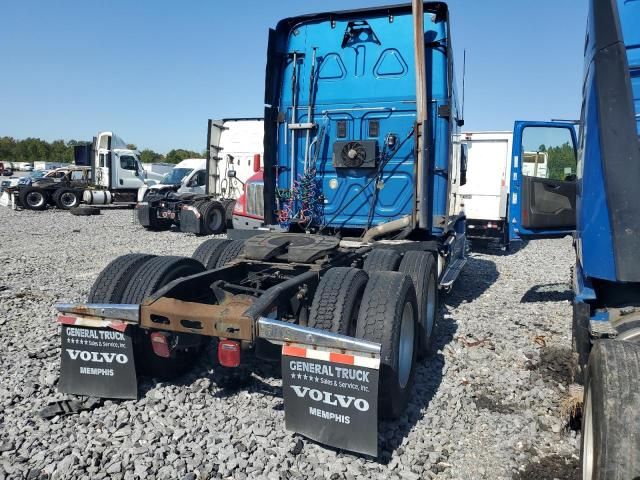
x=488 y=404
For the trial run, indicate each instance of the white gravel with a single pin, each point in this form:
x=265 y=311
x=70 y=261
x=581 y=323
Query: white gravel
x=486 y=405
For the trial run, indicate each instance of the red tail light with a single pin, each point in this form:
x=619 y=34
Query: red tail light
x=229 y=353
x=256 y=163
x=160 y=344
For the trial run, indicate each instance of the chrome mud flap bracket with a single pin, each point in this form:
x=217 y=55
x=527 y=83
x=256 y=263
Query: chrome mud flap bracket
x=330 y=385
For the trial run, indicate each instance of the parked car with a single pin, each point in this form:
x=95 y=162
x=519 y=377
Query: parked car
x=37 y=174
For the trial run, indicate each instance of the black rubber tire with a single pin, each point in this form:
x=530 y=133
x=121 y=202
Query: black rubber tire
x=336 y=302
x=156 y=273
x=150 y=277
x=421 y=267
x=382 y=260
x=379 y=320
x=28 y=203
x=210 y=211
x=228 y=204
x=613 y=389
x=112 y=281
x=209 y=251
x=84 y=211
x=230 y=252
x=57 y=198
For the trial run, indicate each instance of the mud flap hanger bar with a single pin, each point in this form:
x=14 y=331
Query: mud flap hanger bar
x=279 y=332
x=126 y=312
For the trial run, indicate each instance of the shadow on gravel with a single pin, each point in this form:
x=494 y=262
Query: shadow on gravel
x=427 y=381
x=549 y=292
x=549 y=468
x=476 y=278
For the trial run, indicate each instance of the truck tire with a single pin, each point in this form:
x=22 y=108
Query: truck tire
x=336 y=302
x=209 y=251
x=156 y=273
x=382 y=260
x=611 y=412
x=228 y=205
x=84 y=211
x=66 y=199
x=212 y=221
x=421 y=267
x=230 y=252
x=33 y=198
x=110 y=284
x=150 y=277
x=389 y=316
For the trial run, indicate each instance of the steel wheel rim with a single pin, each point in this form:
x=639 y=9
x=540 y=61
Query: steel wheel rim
x=405 y=350
x=68 y=199
x=430 y=316
x=588 y=448
x=215 y=220
x=35 y=195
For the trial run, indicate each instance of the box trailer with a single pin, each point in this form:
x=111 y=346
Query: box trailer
x=486 y=193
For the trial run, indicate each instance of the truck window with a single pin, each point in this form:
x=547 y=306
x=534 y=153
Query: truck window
x=77 y=175
x=127 y=162
x=547 y=152
x=101 y=161
x=200 y=178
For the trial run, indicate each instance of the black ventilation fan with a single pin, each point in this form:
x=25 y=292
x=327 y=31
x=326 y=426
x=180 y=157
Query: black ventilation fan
x=353 y=155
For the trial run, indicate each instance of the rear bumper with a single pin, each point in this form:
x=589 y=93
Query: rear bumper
x=223 y=321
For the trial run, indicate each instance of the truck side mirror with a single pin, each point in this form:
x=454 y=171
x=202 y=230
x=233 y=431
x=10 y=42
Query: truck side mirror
x=231 y=174
x=256 y=163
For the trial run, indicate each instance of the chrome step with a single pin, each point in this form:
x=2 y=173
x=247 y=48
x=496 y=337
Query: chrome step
x=451 y=273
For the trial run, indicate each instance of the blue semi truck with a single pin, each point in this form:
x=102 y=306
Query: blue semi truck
x=590 y=190
x=362 y=162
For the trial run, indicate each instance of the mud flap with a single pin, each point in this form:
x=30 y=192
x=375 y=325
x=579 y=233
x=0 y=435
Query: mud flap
x=143 y=213
x=190 y=219
x=97 y=362
x=332 y=397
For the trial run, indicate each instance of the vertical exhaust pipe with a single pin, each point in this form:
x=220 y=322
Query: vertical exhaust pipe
x=422 y=157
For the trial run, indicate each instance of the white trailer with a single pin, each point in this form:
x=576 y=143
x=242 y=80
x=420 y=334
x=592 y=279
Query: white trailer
x=233 y=144
x=485 y=195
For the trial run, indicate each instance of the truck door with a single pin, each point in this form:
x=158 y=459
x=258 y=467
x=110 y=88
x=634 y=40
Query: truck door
x=126 y=171
x=194 y=183
x=542 y=200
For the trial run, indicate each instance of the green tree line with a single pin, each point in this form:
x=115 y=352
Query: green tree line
x=36 y=149
x=561 y=159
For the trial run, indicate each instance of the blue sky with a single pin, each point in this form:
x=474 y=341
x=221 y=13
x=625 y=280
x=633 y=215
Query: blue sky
x=154 y=71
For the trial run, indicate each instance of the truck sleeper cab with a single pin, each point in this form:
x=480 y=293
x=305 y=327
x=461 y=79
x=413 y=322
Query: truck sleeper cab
x=362 y=228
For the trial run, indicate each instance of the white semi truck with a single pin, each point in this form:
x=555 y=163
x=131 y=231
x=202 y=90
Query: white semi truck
x=199 y=195
x=106 y=172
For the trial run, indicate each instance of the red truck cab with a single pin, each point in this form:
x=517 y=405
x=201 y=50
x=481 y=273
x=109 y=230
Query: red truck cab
x=248 y=212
